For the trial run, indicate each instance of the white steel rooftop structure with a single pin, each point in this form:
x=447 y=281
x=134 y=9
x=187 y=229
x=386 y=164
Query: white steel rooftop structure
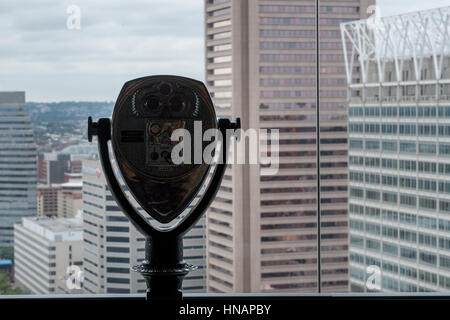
x=413 y=36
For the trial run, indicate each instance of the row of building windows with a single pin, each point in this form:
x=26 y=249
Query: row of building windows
x=307 y=9
x=270 y=33
x=286 y=105
x=411 y=129
x=303 y=69
x=421 y=184
x=407 y=272
x=287 y=69
x=424 y=257
x=305 y=93
x=302 y=21
x=423 y=239
x=393 y=198
x=287 y=93
x=220 y=47
x=402 y=112
x=277 y=57
x=220 y=35
x=402 y=165
x=294 y=45
x=8 y=128
x=287 y=9
x=220 y=59
x=402 y=217
x=220 y=24
x=430 y=148
x=288 y=82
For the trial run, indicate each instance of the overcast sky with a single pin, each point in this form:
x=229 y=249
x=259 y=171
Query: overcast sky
x=118 y=40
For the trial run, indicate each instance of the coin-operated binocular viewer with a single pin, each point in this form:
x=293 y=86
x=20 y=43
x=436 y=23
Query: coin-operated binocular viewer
x=146 y=115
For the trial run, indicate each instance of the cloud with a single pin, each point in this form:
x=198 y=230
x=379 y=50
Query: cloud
x=389 y=7
x=117 y=40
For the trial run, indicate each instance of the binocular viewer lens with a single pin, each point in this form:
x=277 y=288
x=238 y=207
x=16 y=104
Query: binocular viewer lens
x=151 y=103
x=164 y=97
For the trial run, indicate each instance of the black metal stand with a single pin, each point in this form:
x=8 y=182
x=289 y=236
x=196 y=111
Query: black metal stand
x=164 y=267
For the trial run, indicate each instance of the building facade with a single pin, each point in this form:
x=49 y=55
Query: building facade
x=42 y=174
x=399 y=157
x=18 y=158
x=52 y=166
x=59 y=166
x=70 y=201
x=264 y=63
x=47 y=199
x=44 y=248
x=112 y=245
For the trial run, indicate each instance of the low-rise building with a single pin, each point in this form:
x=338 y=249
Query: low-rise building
x=44 y=249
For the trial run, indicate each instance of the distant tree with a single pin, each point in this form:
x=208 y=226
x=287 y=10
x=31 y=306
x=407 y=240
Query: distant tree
x=13 y=291
x=7 y=253
x=5 y=286
x=5 y=283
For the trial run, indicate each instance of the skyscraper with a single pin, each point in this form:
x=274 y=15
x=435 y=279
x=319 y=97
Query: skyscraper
x=399 y=157
x=18 y=178
x=280 y=65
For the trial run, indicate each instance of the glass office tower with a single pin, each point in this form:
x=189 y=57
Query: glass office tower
x=399 y=157
x=18 y=178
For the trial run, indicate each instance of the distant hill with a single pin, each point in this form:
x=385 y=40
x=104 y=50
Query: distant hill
x=71 y=111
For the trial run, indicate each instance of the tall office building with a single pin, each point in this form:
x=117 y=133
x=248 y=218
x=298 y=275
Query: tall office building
x=399 y=157
x=17 y=165
x=265 y=65
x=112 y=244
x=44 y=247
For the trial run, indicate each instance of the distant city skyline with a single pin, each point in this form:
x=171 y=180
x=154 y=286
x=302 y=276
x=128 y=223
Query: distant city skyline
x=52 y=63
